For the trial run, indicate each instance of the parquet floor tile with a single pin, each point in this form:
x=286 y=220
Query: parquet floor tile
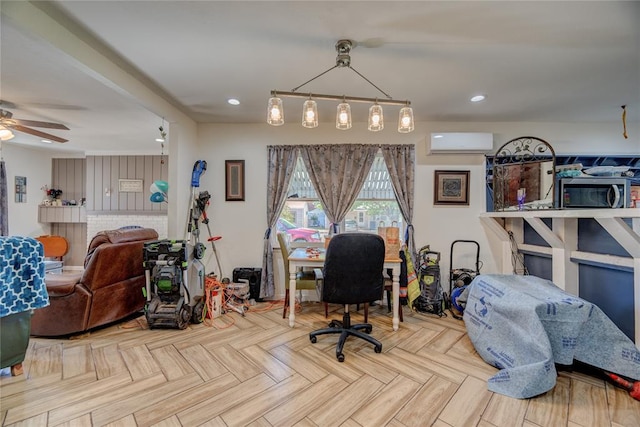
x=257 y=371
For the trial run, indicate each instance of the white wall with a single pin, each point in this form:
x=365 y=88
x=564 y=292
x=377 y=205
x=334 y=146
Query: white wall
x=242 y=224
x=36 y=166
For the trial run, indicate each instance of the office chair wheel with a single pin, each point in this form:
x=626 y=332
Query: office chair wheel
x=378 y=349
x=367 y=330
x=313 y=340
x=335 y=324
x=340 y=357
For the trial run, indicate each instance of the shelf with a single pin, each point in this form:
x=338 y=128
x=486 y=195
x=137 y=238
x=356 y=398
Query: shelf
x=62 y=214
x=566 y=213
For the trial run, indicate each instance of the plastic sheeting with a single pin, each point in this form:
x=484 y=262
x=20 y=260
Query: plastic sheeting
x=524 y=325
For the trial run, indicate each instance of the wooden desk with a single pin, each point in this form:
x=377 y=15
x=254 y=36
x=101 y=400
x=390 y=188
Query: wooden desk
x=299 y=259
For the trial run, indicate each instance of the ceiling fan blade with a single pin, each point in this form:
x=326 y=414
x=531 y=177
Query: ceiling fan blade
x=38 y=124
x=38 y=133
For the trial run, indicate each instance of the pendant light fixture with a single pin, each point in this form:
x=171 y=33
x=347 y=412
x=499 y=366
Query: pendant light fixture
x=343 y=116
x=275 y=111
x=376 y=121
x=405 y=120
x=310 y=114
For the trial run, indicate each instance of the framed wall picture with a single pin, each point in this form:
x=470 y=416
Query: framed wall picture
x=451 y=188
x=234 y=180
x=21 y=189
x=130 y=185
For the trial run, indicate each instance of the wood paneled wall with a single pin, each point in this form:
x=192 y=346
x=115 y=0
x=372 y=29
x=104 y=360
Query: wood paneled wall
x=69 y=175
x=76 y=235
x=104 y=173
x=88 y=178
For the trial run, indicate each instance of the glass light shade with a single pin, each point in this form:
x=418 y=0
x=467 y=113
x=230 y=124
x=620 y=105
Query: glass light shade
x=405 y=120
x=376 y=121
x=310 y=114
x=343 y=116
x=275 y=112
x=5 y=134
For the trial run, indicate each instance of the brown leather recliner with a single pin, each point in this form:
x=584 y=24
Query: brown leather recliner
x=109 y=288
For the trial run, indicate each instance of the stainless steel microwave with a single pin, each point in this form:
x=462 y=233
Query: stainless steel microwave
x=594 y=193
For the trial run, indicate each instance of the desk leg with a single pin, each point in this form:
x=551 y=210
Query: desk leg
x=292 y=297
x=396 y=297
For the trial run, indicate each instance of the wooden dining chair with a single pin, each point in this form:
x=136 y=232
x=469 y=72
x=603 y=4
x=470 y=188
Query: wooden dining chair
x=305 y=280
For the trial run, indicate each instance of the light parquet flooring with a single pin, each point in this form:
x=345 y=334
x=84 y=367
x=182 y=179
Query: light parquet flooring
x=257 y=371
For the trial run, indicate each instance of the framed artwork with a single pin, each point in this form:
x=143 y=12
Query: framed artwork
x=130 y=185
x=21 y=189
x=234 y=180
x=451 y=188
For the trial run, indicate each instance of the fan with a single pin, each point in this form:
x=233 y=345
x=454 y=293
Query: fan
x=7 y=120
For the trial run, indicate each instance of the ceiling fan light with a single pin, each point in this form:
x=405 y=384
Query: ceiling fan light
x=376 y=120
x=310 y=114
x=343 y=116
x=405 y=120
x=275 y=112
x=5 y=133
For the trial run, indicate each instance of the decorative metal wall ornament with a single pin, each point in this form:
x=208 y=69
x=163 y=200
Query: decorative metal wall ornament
x=523 y=175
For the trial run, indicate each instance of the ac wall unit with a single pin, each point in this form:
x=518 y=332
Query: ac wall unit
x=461 y=142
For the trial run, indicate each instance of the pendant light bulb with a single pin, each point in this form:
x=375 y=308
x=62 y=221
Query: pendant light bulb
x=310 y=114
x=405 y=120
x=343 y=116
x=376 y=121
x=275 y=112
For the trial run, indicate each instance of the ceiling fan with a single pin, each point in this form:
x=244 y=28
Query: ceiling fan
x=25 y=126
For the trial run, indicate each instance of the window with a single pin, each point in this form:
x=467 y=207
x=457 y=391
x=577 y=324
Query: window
x=376 y=203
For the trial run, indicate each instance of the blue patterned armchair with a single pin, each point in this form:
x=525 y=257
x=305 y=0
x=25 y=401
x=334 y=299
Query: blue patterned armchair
x=22 y=290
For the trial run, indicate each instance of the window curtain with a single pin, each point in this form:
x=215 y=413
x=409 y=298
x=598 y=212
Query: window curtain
x=281 y=163
x=338 y=172
x=4 y=210
x=400 y=161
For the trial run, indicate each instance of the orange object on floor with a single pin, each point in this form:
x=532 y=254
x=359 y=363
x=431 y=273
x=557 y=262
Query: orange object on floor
x=632 y=387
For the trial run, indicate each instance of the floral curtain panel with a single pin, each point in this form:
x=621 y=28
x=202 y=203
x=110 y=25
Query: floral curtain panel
x=400 y=160
x=4 y=211
x=337 y=173
x=281 y=163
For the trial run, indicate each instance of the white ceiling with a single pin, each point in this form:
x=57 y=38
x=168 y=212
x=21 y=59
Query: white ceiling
x=563 y=61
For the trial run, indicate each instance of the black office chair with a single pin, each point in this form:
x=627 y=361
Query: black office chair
x=353 y=269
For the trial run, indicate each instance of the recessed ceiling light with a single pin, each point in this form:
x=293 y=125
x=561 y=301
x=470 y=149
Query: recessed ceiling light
x=46 y=141
x=233 y=101
x=159 y=140
x=478 y=98
x=438 y=136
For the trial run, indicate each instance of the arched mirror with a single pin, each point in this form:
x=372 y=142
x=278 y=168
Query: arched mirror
x=524 y=175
